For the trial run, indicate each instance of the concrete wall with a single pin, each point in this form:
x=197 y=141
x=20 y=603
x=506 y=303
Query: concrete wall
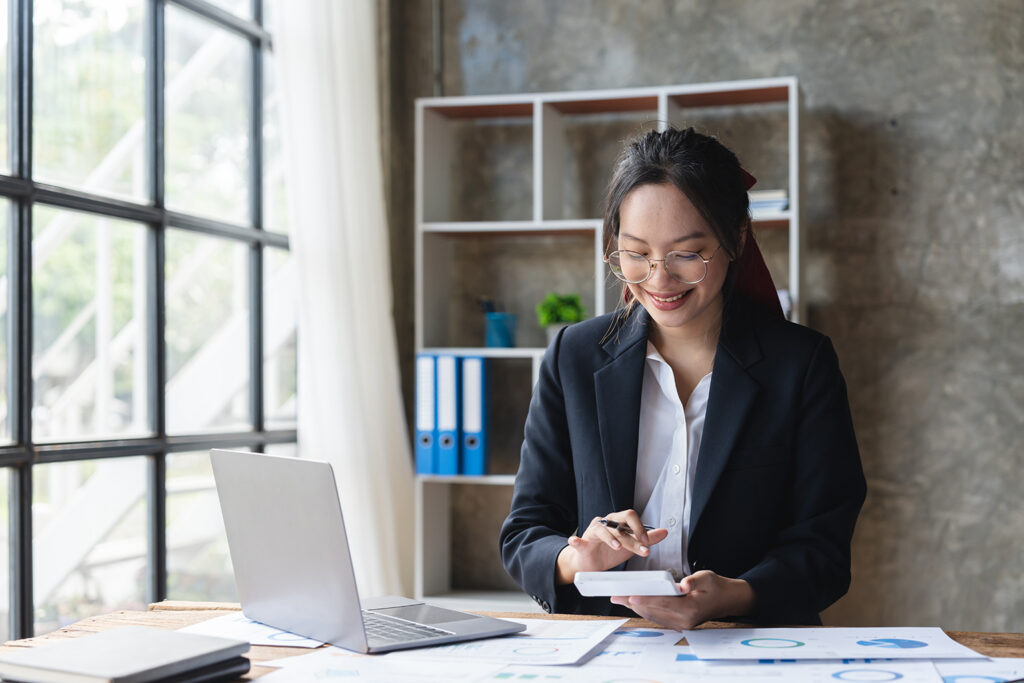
x=914 y=221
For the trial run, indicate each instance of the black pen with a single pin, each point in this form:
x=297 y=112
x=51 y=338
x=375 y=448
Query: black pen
x=611 y=524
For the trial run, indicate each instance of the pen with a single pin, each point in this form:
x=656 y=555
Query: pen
x=621 y=527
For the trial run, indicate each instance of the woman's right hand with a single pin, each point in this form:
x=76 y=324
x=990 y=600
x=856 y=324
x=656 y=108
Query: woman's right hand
x=601 y=548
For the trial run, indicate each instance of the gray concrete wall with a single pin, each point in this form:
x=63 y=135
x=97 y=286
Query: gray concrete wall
x=914 y=221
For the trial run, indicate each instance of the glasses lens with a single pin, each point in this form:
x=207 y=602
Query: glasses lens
x=629 y=266
x=686 y=266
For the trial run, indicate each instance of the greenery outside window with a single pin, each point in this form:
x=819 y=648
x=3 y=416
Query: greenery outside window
x=146 y=301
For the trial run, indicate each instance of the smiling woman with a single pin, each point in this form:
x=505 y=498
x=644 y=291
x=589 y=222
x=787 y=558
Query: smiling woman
x=713 y=432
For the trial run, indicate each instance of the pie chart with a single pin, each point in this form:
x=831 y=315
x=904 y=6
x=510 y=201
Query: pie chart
x=638 y=633
x=771 y=642
x=893 y=643
x=866 y=675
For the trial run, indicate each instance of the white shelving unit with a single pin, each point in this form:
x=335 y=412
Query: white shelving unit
x=442 y=229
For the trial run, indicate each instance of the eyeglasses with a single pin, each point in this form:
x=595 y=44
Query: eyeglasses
x=687 y=267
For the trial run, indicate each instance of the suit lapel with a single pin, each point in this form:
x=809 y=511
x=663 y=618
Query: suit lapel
x=618 y=387
x=731 y=396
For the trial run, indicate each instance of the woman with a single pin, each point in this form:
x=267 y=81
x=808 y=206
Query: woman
x=696 y=410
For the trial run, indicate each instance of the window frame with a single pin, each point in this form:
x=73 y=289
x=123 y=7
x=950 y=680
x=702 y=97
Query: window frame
x=23 y=192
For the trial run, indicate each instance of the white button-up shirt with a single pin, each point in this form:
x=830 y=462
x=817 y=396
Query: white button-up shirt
x=667 y=462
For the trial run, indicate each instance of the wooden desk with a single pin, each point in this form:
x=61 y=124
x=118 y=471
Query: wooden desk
x=174 y=615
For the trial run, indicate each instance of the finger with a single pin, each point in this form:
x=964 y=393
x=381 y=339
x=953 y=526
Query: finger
x=631 y=543
x=632 y=519
x=656 y=536
x=673 y=612
x=605 y=535
x=628 y=540
x=700 y=581
x=594 y=525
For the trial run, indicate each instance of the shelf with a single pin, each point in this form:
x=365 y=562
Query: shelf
x=487 y=107
x=486 y=479
x=502 y=184
x=485 y=601
x=477 y=228
x=487 y=351
x=771 y=220
x=607 y=105
x=732 y=97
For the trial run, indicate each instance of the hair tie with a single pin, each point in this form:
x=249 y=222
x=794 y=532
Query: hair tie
x=753 y=280
x=748 y=180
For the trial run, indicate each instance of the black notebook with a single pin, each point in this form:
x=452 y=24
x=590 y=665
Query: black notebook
x=130 y=654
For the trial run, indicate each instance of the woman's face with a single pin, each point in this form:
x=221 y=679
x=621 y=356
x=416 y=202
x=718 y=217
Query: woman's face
x=657 y=219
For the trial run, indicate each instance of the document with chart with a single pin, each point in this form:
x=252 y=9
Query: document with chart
x=543 y=642
x=826 y=643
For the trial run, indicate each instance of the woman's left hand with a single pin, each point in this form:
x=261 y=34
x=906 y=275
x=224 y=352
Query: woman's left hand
x=707 y=596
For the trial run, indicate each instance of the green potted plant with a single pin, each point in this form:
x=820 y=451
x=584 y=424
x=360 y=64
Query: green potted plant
x=559 y=310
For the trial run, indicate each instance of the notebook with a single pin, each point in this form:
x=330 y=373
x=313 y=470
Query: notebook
x=293 y=571
x=130 y=654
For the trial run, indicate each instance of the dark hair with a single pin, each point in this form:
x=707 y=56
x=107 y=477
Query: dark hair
x=700 y=167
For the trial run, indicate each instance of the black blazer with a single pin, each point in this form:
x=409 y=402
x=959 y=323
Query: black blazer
x=778 y=485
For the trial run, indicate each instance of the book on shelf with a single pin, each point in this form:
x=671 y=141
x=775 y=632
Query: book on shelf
x=130 y=654
x=768 y=200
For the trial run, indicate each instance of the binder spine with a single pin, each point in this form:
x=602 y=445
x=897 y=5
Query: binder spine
x=426 y=415
x=448 y=409
x=474 y=416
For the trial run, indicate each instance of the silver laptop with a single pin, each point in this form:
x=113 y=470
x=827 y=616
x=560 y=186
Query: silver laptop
x=292 y=565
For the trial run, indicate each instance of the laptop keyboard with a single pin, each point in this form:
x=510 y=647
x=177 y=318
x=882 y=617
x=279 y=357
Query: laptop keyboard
x=384 y=630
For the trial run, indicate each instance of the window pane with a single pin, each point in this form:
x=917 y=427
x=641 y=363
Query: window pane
x=241 y=8
x=279 y=318
x=5 y=549
x=5 y=218
x=88 y=95
x=207 y=113
x=89 y=334
x=275 y=204
x=198 y=561
x=207 y=333
x=5 y=166
x=88 y=539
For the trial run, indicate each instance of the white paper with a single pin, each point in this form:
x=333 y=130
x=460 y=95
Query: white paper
x=817 y=672
x=544 y=642
x=827 y=643
x=981 y=671
x=617 y=654
x=240 y=627
x=335 y=662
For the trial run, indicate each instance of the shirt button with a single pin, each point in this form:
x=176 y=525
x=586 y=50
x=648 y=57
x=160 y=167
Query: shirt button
x=675 y=469
x=671 y=521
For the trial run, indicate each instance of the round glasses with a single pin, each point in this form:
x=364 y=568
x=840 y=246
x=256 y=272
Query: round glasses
x=687 y=267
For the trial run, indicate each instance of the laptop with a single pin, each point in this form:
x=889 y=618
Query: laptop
x=293 y=569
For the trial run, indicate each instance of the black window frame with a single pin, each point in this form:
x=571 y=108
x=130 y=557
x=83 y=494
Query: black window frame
x=23 y=192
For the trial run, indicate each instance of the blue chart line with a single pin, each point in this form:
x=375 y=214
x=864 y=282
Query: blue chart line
x=866 y=675
x=285 y=636
x=637 y=633
x=971 y=678
x=773 y=643
x=893 y=643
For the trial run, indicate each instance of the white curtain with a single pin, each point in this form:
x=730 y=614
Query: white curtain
x=349 y=402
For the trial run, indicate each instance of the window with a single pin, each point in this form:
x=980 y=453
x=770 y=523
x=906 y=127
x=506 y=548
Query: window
x=146 y=297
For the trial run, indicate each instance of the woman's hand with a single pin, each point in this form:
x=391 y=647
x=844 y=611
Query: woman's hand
x=707 y=596
x=601 y=548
